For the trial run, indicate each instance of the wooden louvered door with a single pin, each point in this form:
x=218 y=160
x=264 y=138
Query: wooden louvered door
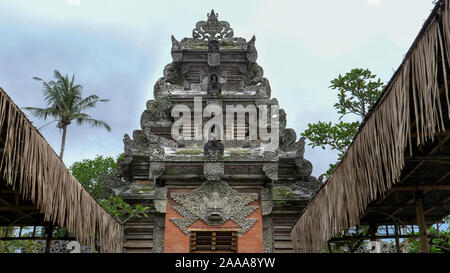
x=213 y=241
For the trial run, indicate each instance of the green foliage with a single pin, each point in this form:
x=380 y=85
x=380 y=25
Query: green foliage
x=337 y=136
x=122 y=210
x=357 y=92
x=16 y=246
x=440 y=241
x=120 y=157
x=91 y=173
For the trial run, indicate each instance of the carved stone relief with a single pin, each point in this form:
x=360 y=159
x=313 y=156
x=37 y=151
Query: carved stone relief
x=252 y=54
x=158 y=234
x=267 y=202
x=156 y=169
x=196 y=205
x=304 y=168
x=271 y=170
x=213 y=53
x=212 y=29
x=268 y=234
x=213 y=171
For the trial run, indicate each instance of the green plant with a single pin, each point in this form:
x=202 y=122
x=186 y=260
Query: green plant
x=438 y=239
x=121 y=210
x=357 y=93
x=92 y=172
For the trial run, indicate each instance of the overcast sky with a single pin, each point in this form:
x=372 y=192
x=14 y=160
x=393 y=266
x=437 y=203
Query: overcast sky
x=118 y=49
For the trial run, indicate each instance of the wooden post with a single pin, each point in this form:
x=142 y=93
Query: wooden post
x=397 y=240
x=422 y=227
x=48 y=243
x=329 y=247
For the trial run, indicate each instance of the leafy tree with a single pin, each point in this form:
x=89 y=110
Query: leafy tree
x=65 y=104
x=357 y=91
x=122 y=210
x=92 y=172
x=439 y=240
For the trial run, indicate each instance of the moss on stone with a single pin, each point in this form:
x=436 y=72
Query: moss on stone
x=143 y=190
x=282 y=193
x=239 y=151
x=189 y=152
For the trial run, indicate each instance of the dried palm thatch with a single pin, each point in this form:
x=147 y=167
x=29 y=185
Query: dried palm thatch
x=376 y=157
x=31 y=167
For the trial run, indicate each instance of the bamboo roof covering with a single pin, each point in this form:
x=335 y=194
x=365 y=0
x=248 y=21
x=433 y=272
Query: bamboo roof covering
x=44 y=189
x=401 y=149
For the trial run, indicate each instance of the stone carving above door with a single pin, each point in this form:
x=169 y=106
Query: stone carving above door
x=214 y=202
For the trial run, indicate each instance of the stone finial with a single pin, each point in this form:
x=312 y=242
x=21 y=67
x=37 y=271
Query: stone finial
x=212 y=29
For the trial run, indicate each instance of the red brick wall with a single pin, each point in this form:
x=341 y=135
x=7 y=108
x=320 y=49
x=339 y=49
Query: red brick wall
x=175 y=241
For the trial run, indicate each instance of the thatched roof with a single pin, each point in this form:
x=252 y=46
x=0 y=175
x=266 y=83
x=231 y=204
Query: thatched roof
x=30 y=167
x=412 y=110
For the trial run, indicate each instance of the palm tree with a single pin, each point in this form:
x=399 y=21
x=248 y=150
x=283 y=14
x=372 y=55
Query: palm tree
x=65 y=103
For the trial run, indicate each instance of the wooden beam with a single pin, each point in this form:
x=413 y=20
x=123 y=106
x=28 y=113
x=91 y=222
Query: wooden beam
x=413 y=199
x=367 y=237
x=421 y=188
x=387 y=194
x=428 y=157
x=18 y=209
x=429 y=210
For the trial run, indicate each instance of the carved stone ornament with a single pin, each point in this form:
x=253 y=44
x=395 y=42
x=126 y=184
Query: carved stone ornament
x=160 y=205
x=304 y=168
x=171 y=73
x=213 y=171
x=158 y=235
x=267 y=202
x=213 y=150
x=156 y=169
x=252 y=54
x=212 y=29
x=176 y=46
x=271 y=170
x=268 y=235
x=214 y=203
x=156 y=110
x=287 y=138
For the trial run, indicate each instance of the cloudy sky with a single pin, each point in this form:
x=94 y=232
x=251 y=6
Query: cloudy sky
x=118 y=49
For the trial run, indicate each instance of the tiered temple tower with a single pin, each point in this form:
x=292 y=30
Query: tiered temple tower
x=213 y=193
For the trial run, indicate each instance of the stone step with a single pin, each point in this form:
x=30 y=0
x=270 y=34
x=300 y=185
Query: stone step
x=138 y=244
x=138 y=250
x=283 y=245
x=140 y=226
x=282 y=238
x=139 y=236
